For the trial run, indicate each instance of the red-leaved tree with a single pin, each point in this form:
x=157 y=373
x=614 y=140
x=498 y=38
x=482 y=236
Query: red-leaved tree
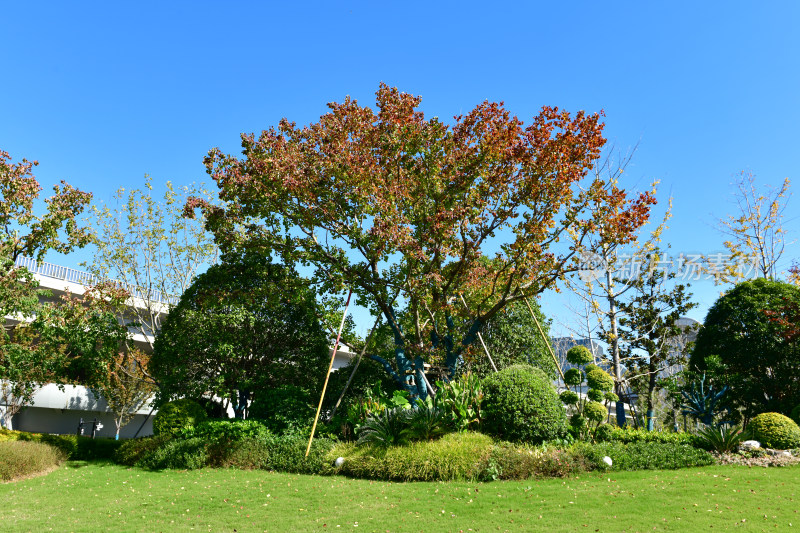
x=410 y=212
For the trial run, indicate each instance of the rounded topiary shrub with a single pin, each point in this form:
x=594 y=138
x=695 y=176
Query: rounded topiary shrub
x=579 y=355
x=521 y=404
x=174 y=417
x=774 y=430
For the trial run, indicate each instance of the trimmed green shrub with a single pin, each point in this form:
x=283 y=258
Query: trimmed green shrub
x=573 y=376
x=579 y=355
x=456 y=456
x=595 y=395
x=651 y=455
x=227 y=430
x=774 y=430
x=510 y=461
x=283 y=408
x=596 y=412
x=610 y=433
x=287 y=453
x=569 y=398
x=174 y=417
x=521 y=404
x=182 y=454
x=134 y=450
x=599 y=379
x=20 y=458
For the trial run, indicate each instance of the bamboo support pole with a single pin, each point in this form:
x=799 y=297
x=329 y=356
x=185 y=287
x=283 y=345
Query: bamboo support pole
x=480 y=337
x=328 y=375
x=358 y=362
x=544 y=337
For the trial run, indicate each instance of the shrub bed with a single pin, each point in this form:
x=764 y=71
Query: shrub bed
x=609 y=433
x=245 y=444
x=774 y=430
x=19 y=458
x=73 y=447
x=650 y=455
x=457 y=456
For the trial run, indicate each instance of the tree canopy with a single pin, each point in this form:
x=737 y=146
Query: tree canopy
x=405 y=210
x=759 y=362
x=244 y=326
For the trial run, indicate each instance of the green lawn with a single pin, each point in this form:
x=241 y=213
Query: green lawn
x=97 y=497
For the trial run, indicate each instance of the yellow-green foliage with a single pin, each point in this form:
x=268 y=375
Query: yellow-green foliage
x=774 y=430
x=457 y=456
x=19 y=458
x=174 y=417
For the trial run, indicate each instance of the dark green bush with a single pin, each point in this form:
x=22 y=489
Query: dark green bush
x=174 y=417
x=181 y=454
x=510 y=461
x=287 y=453
x=227 y=430
x=283 y=408
x=774 y=430
x=651 y=455
x=19 y=458
x=134 y=450
x=521 y=404
x=795 y=415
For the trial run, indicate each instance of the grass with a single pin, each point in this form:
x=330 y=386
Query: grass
x=106 y=497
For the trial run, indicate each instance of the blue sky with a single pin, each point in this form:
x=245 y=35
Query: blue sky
x=102 y=93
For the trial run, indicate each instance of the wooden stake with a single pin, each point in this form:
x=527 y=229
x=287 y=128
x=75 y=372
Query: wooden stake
x=544 y=337
x=480 y=337
x=358 y=362
x=328 y=375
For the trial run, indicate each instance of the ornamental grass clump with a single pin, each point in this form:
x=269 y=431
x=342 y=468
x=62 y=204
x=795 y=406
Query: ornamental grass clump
x=20 y=458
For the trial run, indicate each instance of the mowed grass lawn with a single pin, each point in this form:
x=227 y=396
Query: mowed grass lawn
x=107 y=497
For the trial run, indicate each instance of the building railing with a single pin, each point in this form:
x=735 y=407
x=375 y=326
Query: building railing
x=72 y=275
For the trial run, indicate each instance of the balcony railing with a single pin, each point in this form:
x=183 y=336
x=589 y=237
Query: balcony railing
x=85 y=278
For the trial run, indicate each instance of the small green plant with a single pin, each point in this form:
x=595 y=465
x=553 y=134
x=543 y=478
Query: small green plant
x=462 y=397
x=175 y=417
x=387 y=429
x=774 y=430
x=721 y=439
x=428 y=422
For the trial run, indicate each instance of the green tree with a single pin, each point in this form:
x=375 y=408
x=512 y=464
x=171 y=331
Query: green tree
x=759 y=363
x=512 y=338
x=24 y=234
x=651 y=328
x=150 y=249
x=244 y=326
x=386 y=201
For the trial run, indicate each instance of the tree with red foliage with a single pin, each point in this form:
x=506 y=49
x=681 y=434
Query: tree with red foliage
x=408 y=211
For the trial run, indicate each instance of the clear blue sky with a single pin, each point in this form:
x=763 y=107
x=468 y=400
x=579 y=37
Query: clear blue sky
x=102 y=93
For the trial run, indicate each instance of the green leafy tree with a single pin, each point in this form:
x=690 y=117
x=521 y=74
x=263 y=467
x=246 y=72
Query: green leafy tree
x=244 y=326
x=651 y=328
x=759 y=363
x=25 y=234
x=386 y=201
x=147 y=247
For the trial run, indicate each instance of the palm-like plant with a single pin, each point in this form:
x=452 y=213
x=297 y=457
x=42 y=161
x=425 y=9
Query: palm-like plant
x=723 y=438
x=389 y=428
x=429 y=422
